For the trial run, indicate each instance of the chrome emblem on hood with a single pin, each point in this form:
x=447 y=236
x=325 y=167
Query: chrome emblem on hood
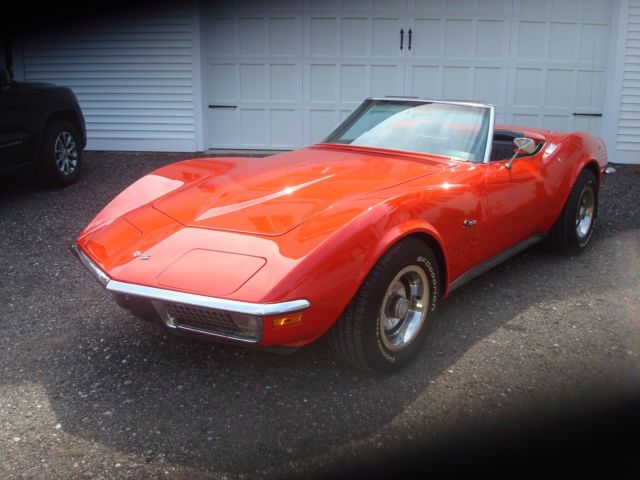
x=142 y=256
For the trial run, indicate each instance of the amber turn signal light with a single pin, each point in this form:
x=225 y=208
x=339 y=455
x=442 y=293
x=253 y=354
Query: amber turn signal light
x=287 y=320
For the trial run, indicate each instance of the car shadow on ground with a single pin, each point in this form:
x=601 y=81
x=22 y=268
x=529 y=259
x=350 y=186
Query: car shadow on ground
x=122 y=383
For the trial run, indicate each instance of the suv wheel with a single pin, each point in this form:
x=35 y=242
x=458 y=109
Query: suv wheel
x=60 y=154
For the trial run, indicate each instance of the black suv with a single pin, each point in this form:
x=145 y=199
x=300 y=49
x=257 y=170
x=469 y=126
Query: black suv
x=42 y=131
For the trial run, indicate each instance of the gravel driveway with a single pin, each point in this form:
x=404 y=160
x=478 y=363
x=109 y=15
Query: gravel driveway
x=88 y=391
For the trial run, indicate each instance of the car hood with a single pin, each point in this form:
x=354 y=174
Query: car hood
x=273 y=195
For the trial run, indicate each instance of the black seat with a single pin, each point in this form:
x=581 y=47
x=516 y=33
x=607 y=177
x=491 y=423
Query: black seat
x=502 y=146
x=501 y=150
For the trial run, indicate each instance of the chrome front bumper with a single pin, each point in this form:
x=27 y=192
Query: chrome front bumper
x=194 y=314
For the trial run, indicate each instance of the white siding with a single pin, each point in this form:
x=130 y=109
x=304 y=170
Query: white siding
x=133 y=77
x=628 y=133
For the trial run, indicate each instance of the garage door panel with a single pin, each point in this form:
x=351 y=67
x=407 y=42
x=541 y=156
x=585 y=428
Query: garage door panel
x=284 y=83
x=224 y=88
x=596 y=8
x=354 y=82
x=253 y=127
x=590 y=90
x=359 y=6
x=426 y=81
x=284 y=37
x=285 y=128
x=531 y=40
x=587 y=124
x=459 y=38
x=253 y=82
x=324 y=6
x=494 y=6
x=562 y=41
x=221 y=36
x=556 y=122
x=223 y=131
x=565 y=8
x=321 y=122
x=460 y=5
x=253 y=35
x=490 y=39
x=559 y=88
x=489 y=85
x=284 y=6
x=385 y=34
x=593 y=43
x=390 y=6
x=354 y=35
x=435 y=7
x=533 y=8
x=456 y=83
x=251 y=6
x=385 y=80
x=322 y=80
x=427 y=38
x=323 y=40
x=527 y=120
x=528 y=91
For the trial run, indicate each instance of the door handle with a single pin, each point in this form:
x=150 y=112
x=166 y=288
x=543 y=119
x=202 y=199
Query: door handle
x=410 y=33
x=401 y=37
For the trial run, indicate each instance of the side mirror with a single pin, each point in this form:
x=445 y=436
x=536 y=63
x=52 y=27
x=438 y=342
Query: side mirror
x=523 y=144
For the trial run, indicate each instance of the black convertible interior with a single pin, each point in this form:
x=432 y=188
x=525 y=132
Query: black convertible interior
x=502 y=147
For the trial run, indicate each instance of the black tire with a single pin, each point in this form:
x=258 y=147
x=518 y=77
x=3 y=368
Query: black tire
x=361 y=337
x=574 y=227
x=60 y=154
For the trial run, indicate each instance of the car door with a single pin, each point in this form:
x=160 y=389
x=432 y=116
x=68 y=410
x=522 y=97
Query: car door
x=516 y=201
x=15 y=145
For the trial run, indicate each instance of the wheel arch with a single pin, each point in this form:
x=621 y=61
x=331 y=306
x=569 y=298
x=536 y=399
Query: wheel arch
x=70 y=116
x=438 y=251
x=592 y=166
x=424 y=232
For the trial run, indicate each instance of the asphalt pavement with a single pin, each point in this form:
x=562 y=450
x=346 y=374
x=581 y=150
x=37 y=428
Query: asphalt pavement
x=538 y=359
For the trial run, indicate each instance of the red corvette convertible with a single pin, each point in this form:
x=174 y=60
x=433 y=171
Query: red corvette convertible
x=358 y=237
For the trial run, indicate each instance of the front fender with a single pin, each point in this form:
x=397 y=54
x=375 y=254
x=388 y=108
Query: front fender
x=331 y=273
x=590 y=151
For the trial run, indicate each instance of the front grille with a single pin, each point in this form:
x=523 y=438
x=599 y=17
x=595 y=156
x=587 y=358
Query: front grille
x=210 y=321
x=215 y=321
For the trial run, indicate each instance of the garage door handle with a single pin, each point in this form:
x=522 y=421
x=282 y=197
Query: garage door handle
x=587 y=114
x=223 y=106
x=401 y=37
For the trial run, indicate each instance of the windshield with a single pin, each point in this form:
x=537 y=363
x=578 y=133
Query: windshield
x=447 y=129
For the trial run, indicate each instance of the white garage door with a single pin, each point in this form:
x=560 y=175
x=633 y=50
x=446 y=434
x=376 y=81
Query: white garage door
x=281 y=74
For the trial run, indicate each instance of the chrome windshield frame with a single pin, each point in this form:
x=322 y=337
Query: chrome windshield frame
x=487 y=151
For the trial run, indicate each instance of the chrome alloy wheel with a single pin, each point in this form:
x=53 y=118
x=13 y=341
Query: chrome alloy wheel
x=404 y=308
x=66 y=153
x=584 y=212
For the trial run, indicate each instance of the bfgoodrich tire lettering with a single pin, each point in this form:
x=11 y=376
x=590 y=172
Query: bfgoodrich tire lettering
x=574 y=227
x=388 y=319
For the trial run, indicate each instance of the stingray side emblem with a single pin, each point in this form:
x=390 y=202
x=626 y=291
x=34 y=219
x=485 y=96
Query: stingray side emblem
x=142 y=256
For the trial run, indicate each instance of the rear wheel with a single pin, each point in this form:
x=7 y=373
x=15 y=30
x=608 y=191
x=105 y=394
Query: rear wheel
x=387 y=321
x=574 y=227
x=61 y=154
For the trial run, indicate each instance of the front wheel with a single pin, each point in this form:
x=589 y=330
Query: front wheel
x=387 y=321
x=574 y=227
x=61 y=154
